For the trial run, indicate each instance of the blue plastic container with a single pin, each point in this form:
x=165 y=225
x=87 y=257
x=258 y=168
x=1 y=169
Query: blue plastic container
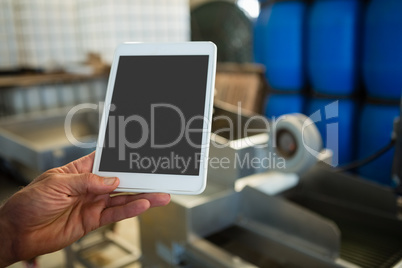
x=334 y=28
x=259 y=42
x=375 y=129
x=280 y=104
x=337 y=125
x=283 y=41
x=382 y=50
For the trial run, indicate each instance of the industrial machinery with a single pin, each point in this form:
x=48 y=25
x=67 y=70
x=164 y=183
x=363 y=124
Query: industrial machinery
x=38 y=142
x=271 y=199
x=254 y=216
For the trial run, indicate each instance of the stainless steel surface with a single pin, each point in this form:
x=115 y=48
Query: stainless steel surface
x=276 y=231
x=229 y=140
x=165 y=231
x=38 y=140
x=326 y=219
x=366 y=214
x=284 y=233
x=291 y=224
x=202 y=253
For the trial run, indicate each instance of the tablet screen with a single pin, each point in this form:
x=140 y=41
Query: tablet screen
x=155 y=119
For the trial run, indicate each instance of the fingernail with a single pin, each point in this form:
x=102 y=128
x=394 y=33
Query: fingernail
x=109 y=181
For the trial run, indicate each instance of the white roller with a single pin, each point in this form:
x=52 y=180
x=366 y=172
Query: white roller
x=308 y=142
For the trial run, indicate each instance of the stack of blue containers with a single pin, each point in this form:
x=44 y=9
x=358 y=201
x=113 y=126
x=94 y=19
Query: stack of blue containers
x=324 y=50
x=382 y=75
x=326 y=55
x=333 y=29
x=279 y=45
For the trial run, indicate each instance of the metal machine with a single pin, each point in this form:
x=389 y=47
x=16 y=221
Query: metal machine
x=38 y=142
x=259 y=217
x=252 y=213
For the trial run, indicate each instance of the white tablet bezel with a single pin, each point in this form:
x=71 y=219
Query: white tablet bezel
x=149 y=182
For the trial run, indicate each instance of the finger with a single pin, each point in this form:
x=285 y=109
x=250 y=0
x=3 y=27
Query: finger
x=81 y=165
x=90 y=183
x=129 y=210
x=84 y=164
x=155 y=199
x=159 y=200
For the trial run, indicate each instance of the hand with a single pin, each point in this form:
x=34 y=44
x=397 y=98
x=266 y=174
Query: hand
x=61 y=206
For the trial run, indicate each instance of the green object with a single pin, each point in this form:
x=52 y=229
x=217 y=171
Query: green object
x=227 y=26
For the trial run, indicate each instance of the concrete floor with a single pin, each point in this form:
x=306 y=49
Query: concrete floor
x=127 y=230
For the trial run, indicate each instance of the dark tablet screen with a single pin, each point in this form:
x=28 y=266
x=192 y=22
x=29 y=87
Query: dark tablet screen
x=156 y=117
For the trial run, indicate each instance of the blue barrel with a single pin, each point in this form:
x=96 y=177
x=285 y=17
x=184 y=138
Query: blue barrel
x=259 y=43
x=334 y=28
x=280 y=104
x=382 y=50
x=375 y=129
x=284 y=47
x=337 y=125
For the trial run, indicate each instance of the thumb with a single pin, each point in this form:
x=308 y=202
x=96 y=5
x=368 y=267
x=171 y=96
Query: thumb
x=91 y=183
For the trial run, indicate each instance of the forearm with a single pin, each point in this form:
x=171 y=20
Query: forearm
x=7 y=256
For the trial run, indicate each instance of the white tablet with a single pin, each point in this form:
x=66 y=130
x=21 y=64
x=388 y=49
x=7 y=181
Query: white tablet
x=156 y=123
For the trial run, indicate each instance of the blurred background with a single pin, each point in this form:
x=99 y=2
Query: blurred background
x=338 y=61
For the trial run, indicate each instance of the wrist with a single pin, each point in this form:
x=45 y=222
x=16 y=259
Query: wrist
x=7 y=256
